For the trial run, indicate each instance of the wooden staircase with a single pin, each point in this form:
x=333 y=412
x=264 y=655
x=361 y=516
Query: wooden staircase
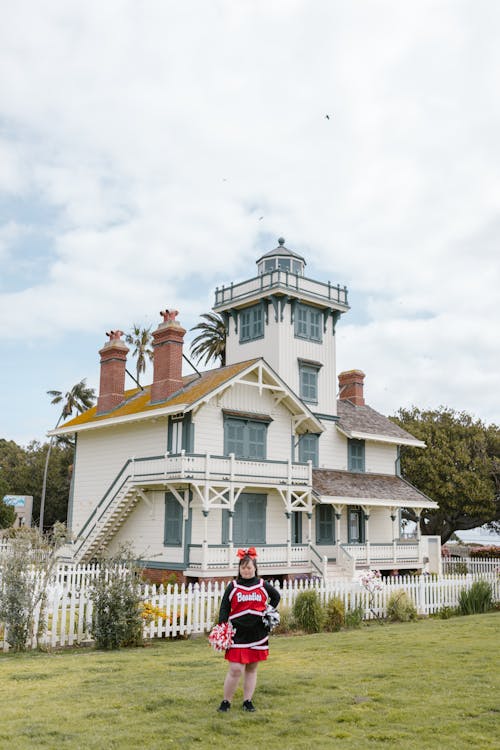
x=104 y=523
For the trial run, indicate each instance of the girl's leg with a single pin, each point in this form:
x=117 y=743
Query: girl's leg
x=232 y=678
x=249 y=680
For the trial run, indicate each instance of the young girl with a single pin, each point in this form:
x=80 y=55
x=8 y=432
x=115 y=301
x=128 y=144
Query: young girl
x=244 y=603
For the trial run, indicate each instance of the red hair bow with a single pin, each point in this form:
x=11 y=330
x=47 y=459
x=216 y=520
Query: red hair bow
x=250 y=552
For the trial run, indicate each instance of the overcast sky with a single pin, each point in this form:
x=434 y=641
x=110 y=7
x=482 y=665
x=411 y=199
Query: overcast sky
x=141 y=143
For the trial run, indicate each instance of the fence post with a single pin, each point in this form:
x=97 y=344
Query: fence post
x=421 y=596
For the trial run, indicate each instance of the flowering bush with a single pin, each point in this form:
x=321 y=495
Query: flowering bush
x=372 y=581
x=492 y=551
x=150 y=613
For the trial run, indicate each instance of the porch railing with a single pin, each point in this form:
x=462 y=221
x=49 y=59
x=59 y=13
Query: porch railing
x=212 y=556
x=371 y=553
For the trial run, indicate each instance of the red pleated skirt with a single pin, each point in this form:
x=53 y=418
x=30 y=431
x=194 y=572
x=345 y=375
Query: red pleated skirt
x=246 y=655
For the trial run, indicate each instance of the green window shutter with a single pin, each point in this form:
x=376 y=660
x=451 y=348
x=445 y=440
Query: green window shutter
x=245 y=438
x=249 y=520
x=188 y=433
x=309 y=383
x=356 y=455
x=297 y=527
x=309 y=448
x=308 y=322
x=251 y=323
x=325 y=528
x=173 y=522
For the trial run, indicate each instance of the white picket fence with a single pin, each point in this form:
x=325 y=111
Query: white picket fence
x=194 y=608
x=453 y=565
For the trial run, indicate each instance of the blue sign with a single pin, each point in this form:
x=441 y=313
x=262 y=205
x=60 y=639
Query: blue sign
x=18 y=501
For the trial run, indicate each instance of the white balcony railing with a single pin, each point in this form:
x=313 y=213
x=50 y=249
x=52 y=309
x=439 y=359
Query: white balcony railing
x=287 y=281
x=220 y=468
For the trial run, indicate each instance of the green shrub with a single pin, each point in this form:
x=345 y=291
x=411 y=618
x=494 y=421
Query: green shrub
x=334 y=614
x=477 y=599
x=400 y=607
x=354 y=617
x=458 y=568
x=116 y=598
x=446 y=612
x=308 y=612
x=286 y=624
x=26 y=569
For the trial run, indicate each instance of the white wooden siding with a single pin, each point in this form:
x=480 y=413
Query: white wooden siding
x=281 y=349
x=101 y=454
x=144 y=529
x=209 y=423
x=380 y=458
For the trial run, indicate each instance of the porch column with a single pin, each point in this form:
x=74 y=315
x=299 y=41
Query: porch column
x=204 y=559
x=230 y=550
x=418 y=511
x=394 y=515
x=366 y=516
x=338 y=516
x=289 y=538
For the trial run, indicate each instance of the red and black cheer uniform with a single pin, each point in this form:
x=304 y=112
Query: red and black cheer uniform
x=244 y=602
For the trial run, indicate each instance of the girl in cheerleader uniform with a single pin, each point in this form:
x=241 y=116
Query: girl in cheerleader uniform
x=243 y=604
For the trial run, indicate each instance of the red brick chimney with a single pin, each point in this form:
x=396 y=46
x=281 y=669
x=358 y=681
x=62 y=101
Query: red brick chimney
x=351 y=387
x=167 y=358
x=113 y=362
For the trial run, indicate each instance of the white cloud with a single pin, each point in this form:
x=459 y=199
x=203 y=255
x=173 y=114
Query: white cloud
x=157 y=136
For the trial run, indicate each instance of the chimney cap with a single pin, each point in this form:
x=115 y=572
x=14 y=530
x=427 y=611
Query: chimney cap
x=114 y=335
x=169 y=315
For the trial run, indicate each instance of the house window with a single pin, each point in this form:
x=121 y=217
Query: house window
x=249 y=520
x=269 y=265
x=246 y=438
x=180 y=433
x=355 y=526
x=297 y=527
x=308 y=448
x=307 y=322
x=356 y=455
x=325 y=526
x=173 y=522
x=251 y=323
x=284 y=264
x=308 y=382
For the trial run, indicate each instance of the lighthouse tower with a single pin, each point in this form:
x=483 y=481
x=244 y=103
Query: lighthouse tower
x=289 y=320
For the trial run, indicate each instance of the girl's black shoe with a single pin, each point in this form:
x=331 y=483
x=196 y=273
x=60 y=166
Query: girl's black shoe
x=248 y=706
x=224 y=706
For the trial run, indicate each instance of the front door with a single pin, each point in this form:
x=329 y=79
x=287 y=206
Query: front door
x=355 y=526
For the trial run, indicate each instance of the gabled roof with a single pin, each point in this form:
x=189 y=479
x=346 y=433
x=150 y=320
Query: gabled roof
x=351 y=488
x=364 y=423
x=196 y=390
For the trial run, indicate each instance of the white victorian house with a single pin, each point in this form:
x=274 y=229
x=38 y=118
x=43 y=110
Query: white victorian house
x=259 y=452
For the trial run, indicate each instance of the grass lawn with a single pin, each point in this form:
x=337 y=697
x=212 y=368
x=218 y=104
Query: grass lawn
x=429 y=684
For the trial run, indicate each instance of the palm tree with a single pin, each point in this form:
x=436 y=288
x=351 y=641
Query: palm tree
x=79 y=398
x=211 y=342
x=140 y=338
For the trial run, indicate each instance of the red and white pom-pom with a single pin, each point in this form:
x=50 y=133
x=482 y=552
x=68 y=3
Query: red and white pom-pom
x=221 y=636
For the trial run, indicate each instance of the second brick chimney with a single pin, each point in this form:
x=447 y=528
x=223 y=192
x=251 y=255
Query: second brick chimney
x=351 y=387
x=167 y=357
x=113 y=363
